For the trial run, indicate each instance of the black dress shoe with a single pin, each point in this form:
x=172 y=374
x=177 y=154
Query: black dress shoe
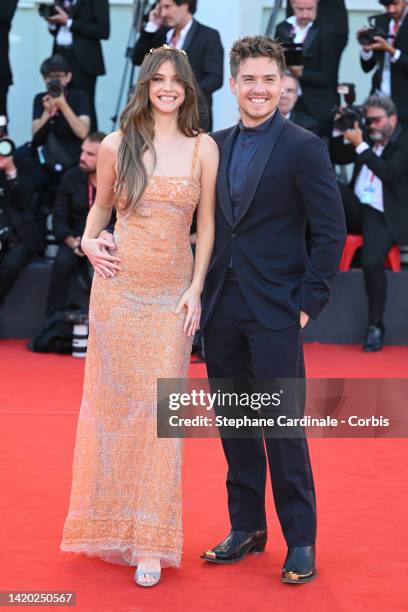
x=375 y=339
x=299 y=566
x=236 y=546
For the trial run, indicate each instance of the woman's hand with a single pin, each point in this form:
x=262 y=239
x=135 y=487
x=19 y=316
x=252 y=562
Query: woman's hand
x=190 y=300
x=97 y=251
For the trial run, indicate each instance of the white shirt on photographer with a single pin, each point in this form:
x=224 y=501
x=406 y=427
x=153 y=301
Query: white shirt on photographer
x=368 y=187
x=151 y=28
x=300 y=33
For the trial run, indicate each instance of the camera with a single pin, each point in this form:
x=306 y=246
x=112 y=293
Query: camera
x=48 y=9
x=293 y=51
x=55 y=88
x=367 y=37
x=7 y=146
x=351 y=113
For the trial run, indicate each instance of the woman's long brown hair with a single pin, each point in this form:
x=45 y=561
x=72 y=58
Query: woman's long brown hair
x=137 y=123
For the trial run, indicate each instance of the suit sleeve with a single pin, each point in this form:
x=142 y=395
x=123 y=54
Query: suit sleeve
x=387 y=170
x=369 y=64
x=7 y=10
x=60 y=214
x=147 y=41
x=99 y=27
x=402 y=61
x=317 y=187
x=326 y=73
x=213 y=64
x=341 y=153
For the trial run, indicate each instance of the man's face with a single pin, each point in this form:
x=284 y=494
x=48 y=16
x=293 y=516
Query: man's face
x=305 y=11
x=63 y=77
x=258 y=88
x=396 y=8
x=381 y=127
x=89 y=153
x=290 y=95
x=174 y=16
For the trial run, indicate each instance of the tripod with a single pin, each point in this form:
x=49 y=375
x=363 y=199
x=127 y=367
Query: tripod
x=273 y=18
x=139 y=10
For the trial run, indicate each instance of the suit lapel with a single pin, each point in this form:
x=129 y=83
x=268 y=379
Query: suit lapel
x=75 y=7
x=310 y=38
x=402 y=30
x=258 y=164
x=190 y=36
x=222 y=179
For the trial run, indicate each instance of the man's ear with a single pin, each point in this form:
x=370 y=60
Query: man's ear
x=69 y=76
x=233 y=86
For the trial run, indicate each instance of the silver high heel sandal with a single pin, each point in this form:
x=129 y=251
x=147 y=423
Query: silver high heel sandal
x=139 y=574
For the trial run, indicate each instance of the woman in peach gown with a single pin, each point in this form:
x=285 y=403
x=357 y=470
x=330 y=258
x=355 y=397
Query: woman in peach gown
x=125 y=503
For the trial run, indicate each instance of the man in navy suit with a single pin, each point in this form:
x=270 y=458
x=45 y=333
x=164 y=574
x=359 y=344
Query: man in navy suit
x=261 y=289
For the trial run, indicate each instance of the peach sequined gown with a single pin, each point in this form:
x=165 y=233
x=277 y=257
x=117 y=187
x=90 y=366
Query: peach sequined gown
x=126 y=489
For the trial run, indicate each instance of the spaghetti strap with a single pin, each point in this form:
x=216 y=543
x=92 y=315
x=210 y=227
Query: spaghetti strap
x=195 y=154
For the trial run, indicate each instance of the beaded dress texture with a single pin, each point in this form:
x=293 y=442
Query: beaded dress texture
x=125 y=498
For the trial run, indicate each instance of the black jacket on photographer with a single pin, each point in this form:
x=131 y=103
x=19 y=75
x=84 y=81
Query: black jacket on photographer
x=205 y=54
x=7 y=10
x=90 y=24
x=14 y=255
x=399 y=69
x=321 y=61
x=72 y=203
x=391 y=168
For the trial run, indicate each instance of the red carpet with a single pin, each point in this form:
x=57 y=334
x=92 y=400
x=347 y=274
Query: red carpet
x=361 y=495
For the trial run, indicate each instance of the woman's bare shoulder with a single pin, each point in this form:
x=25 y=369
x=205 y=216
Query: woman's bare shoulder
x=208 y=147
x=112 y=141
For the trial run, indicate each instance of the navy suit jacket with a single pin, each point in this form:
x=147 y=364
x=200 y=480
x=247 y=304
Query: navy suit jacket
x=290 y=181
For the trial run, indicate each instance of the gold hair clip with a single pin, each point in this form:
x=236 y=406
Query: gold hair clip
x=167 y=48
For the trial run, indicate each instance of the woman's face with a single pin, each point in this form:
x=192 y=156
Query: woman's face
x=166 y=91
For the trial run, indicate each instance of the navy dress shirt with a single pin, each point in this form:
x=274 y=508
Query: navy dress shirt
x=244 y=149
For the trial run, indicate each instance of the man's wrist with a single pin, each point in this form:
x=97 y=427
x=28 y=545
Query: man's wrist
x=363 y=146
x=11 y=174
x=395 y=55
x=69 y=23
x=151 y=27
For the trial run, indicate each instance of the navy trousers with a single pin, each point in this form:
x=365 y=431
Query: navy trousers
x=239 y=347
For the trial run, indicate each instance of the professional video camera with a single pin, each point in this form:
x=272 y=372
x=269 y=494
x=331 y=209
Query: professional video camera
x=7 y=146
x=367 y=37
x=48 y=9
x=351 y=113
x=293 y=51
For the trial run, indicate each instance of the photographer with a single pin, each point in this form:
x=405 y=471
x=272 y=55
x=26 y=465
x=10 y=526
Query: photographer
x=333 y=12
x=321 y=57
x=287 y=105
x=78 y=27
x=14 y=255
x=60 y=124
x=7 y=10
x=385 y=47
x=379 y=188
x=75 y=196
x=171 y=22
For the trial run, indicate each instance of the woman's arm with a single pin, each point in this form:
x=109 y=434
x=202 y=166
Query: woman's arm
x=209 y=158
x=96 y=249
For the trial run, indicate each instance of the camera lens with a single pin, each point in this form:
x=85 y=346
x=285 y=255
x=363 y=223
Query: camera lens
x=6 y=147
